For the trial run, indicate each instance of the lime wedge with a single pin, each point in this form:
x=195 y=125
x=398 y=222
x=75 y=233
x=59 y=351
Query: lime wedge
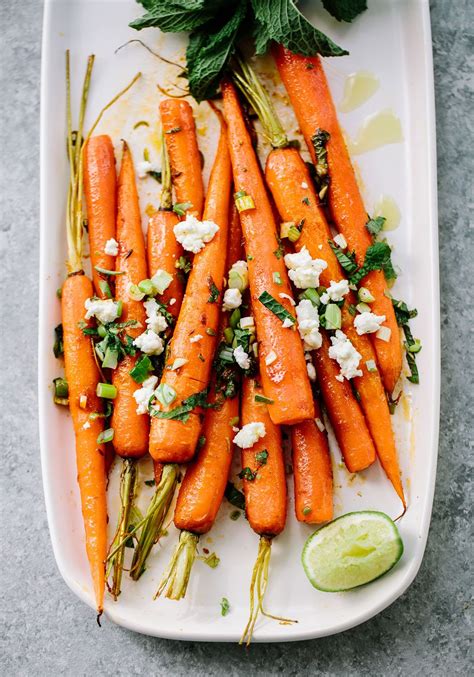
x=352 y=550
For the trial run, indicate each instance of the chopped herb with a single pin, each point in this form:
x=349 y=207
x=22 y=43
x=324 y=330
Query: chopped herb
x=104 y=271
x=234 y=496
x=280 y=250
x=150 y=483
x=105 y=436
x=312 y=295
x=261 y=457
x=201 y=441
x=352 y=309
x=180 y=208
x=142 y=369
x=105 y=289
x=347 y=260
x=184 y=264
x=374 y=226
x=402 y=313
x=59 y=292
x=234 y=420
x=234 y=515
x=182 y=412
x=247 y=474
x=275 y=307
x=305 y=201
x=173 y=130
x=211 y=560
x=210 y=331
x=277 y=278
x=377 y=257
x=61 y=391
x=319 y=141
x=165 y=394
x=155 y=175
x=225 y=606
x=214 y=291
x=307 y=511
x=263 y=399
x=58 y=347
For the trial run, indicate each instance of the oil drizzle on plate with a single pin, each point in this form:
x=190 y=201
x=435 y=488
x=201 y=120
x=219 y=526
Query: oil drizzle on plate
x=358 y=88
x=388 y=208
x=378 y=129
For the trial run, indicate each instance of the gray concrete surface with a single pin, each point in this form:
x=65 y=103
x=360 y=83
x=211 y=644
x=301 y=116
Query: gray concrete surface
x=45 y=629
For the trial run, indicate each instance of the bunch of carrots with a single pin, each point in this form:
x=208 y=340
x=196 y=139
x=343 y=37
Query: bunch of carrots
x=167 y=362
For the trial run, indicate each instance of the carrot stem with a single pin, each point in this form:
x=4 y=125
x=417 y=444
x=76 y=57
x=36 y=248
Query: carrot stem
x=152 y=523
x=176 y=576
x=128 y=480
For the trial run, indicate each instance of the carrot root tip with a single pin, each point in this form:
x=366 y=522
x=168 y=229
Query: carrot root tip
x=176 y=576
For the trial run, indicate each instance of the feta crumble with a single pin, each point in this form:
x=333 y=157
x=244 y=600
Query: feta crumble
x=232 y=299
x=86 y=425
x=335 y=292
x=345 y=355
x=149 y=343
x=242 y=358
x=304 y=185
x=111 y=247
x=193 y=234
x=341 y=241
x=308 y=324
x=155 y=320
x=196 y=338
x=368 y=323
x=104 y=311
x=311 y=371
x=142 y=395
x=249 y=434
x=144 y=167
x=304 y=271
x=172 y=302
x=287 y=323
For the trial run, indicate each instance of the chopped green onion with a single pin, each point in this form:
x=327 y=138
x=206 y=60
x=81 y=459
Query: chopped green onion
x=363 y=308
x=240 y=193
x=294 y=234
x=135 y=293
x=226 y=355
x=237 y=280
x=312 y=295
x=105 y=289
x=102 y=331
x=110 y=359
x=277 y=278
x=141 y=370
x=233 y=421
x=228 y=335
x=107 y=391
x=364 y=295
x=161 y=280
x=285 y=228
x=332 y=316
x=414 y=347
x=352 y=309
x=247 y=323
x=61 y=389
x=180 y=208
x=235 y=318
x=371 y=366
x=201 y=441
x=165 y=394
x=243 y=202
x=210 y=331
x=104 y=271
x=59 y=292
x=307 y=511
x=105 y=436
x=263 y=399
x=119 y=305
x=147 y=287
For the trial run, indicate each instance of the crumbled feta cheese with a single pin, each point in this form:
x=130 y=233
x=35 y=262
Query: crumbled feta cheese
x=144 y=167
x=368 y=323
x=155 y=320
x=304 y=271
x=345 y=355
x=242 y=358
x=288 y=298
x=171 y=302
x=304 y=184
x=341 y=241
x=335 y=292
x=103 y=310
x=235 y=429
x=239 y=276
x=311 y=371
x=149 y=343
x=86 y=425
x=232 y=299
x=308 y=324
x=196 y=338
x=249 y=434
x=193 y=234
x=111 y=247
x=271 y=357
x=142 y=395
x=287 y=323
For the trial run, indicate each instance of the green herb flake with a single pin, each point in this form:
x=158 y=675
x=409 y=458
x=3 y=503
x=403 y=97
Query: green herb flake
x=225 y=606
x=211 y=560
x=261 y=457
x=210 y=331
x=374 y=226
x=234 y=496
x=150 y=483
x=183 y=411
x=184 y=264
x=305 y=201
x=377 y=257
x=275 y=307
x=234 y=515
x=58 y=346
x=142 y=369
x=346 y=260
x=180 y=208
x=214 y=291
x=263 y=399
x=247 y=474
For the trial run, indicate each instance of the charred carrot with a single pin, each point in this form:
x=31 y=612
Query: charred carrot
x=185 y=159
x=100 y=190
x=312 y=471
x=264 y=484
x=309 y=93
x=82 y=373
x=285 y=380
x=194 y=338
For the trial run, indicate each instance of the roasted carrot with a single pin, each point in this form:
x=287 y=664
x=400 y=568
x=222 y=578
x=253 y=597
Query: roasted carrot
x=82 y=373
x=312 y=471
x=264 y=484
x=194 y=338
x=130 y=429
x=100 y=190
x=185 y=159
x=285 y=380
x=309 y=93
x=296 y=199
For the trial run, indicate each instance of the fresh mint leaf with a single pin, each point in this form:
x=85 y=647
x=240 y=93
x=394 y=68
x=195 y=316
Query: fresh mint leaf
x=285 y=24
x=377 y=257
x=182 y=412
x=142 y=369
x=374 y=226
x=247 y=474
x=402 y=313
x=173 y=16
x=225 y=606
x=276 y=308
x=261 y=38
x=347 y=260
x=345 y=10
x=234 y=496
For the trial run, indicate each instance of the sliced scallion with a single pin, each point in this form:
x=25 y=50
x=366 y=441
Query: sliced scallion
x=243 y=202
x=363 y=308
x=110 y=359
x=105 y=436
x=165 y=394
x=105 y=289
x=228 y=335
x=263 y=399
x=180 y=208
x=61 y=389
x=371 y=366
x=332 y=316
x=235 y=318
x=312 y=295
x=414 y=347
x=135 y=292
x=276 y=278
x=364 y=295
x=147 y=287
x=107 y=391
x=161 y=280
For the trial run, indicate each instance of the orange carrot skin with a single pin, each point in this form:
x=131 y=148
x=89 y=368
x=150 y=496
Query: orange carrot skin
x=100 y=189
x=163 y=251
x=82 y=376
x=312 y=472
x=291 y=404
x=131 y=430
x=266 y=495
x=185 y=160
x=346 y=417
x=286 y=173
x=307 y=87
x=172 y=440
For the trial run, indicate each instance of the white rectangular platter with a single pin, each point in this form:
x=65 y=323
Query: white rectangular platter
x=392 y=40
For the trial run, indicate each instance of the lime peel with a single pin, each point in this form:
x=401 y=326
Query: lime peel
x=352 y=550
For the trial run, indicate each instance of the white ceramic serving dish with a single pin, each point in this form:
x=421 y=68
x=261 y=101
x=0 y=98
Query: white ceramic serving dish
x=391 y=40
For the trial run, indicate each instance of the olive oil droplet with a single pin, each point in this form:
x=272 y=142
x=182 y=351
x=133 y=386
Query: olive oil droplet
x=379 y=129
x=358 y=88
x=387 y=207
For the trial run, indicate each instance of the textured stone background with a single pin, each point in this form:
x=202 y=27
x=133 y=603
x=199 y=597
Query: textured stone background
x=46 y=630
